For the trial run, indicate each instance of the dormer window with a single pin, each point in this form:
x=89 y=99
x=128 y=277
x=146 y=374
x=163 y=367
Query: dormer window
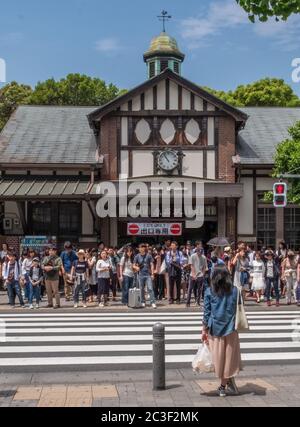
x=176 y=67
x=152 y=69
x=164 y=64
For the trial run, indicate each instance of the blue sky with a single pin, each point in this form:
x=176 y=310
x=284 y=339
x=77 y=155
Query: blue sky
x=43 y=39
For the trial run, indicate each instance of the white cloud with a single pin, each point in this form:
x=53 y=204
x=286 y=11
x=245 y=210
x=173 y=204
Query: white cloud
x=220 y=15
x=224 y=15
x=285 y=34
x=108 y=45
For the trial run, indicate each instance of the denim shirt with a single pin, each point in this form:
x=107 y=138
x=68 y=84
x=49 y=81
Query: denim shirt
x=220 y=312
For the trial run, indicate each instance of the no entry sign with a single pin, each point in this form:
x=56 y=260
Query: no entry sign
x=154 y=229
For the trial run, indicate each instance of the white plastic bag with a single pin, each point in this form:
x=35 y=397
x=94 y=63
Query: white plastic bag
x=203 y=361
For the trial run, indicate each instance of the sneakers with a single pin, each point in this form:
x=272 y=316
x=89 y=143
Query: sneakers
x=232 y=387
x=143 y=305
x=154 y=305
x=221 y=391
x=101 y=304
x=277 y=304
x=269 y=303
x=84 y=305
x=31 y=306
x=37 y=306
x=75 y=305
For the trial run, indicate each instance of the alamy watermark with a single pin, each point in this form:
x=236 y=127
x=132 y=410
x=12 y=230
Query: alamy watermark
x=157 y=199
x=296 y=71
x=2 y=71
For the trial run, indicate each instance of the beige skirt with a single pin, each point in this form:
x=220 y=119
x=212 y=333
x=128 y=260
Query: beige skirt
x=226 y=355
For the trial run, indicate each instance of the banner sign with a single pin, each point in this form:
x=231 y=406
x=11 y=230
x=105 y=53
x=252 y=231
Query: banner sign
x=154 y=229
x=38 y=243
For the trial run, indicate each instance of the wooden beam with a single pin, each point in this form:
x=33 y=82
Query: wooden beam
x=21 y=210
x=174 y=113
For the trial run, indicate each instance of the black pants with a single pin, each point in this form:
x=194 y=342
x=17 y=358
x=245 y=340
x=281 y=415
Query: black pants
x=270 y=281
x=175 y=281
x=113 y=284
x=195 y=285
x=159 y=286
x=103 y=289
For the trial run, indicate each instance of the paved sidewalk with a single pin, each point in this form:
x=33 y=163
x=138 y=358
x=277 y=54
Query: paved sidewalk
x=115 y=306
x=270 y=386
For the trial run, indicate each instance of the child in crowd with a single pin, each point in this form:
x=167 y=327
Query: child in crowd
x=35 y=281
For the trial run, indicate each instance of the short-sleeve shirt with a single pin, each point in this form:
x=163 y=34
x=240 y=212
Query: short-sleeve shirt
x=199 y=262
x=103 y=264
x=144 y=262
x=81 y=267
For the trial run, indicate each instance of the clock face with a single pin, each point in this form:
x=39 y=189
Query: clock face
x=168 y=160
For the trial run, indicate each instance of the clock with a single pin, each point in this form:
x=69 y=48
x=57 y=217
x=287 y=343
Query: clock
x=168 y=160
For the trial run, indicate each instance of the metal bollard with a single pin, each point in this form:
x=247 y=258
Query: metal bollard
x=159 y=361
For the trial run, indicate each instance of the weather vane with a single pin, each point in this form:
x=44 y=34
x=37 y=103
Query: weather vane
x=164 y=17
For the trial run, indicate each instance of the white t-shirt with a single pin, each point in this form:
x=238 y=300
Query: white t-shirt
x=128 y=267
x=103 y=264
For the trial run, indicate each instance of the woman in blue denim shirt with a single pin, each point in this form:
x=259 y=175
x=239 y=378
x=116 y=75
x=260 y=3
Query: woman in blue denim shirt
x=220 y=303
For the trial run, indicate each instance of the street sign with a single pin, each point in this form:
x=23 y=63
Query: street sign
x=280 y=195
x=154 y=229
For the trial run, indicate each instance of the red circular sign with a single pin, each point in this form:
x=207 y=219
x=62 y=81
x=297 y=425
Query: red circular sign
x=175 y=229
x=133 y=229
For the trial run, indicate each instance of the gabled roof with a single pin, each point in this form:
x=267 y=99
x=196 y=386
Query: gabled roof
x=237 y=114
x=266 y=127
x=48 y=134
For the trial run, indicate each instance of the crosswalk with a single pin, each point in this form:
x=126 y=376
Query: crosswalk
x=113 y=341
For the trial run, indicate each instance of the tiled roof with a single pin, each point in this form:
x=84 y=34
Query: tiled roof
x=265 y=128
x=48 y=134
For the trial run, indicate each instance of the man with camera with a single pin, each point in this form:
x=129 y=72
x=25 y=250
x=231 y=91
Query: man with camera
x=51 y=265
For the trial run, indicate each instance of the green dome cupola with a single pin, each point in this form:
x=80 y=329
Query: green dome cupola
x=163 y=53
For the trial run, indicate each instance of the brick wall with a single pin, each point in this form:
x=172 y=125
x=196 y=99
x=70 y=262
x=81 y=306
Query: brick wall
x=109 y=148
x=227 y=148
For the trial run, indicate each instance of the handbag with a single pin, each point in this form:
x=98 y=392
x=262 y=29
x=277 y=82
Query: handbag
x=241 y=321
x=163 y=267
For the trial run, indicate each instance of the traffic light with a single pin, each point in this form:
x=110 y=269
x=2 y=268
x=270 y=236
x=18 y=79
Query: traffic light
x=280 y=195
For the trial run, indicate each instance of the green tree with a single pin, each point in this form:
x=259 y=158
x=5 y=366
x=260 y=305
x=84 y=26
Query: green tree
x=75 y=89
x=264 y=9
x=12 y=95
x=270 y=92
x=287 y=160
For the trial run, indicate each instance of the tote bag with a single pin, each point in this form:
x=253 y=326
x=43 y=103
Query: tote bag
x=241 y=322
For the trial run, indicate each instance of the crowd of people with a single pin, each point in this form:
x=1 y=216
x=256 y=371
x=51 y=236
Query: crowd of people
x=178 y=274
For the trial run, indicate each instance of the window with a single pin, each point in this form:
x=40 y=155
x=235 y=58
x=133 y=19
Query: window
x=152 y=69
x=176 y=67
x=292 y=227
x=69 y=218
x=164 y=63
x=266 y=227
x=41 y=218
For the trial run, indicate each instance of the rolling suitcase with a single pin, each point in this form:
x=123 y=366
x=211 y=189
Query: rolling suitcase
x=135 y=298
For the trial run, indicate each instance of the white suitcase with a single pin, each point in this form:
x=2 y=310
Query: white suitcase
x=135 y=298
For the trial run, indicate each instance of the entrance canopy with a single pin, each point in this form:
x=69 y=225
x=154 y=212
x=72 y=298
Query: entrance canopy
x=42 y=188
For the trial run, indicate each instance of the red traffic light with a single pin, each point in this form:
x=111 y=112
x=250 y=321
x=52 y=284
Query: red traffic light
x=279 y=189
x=280 y=194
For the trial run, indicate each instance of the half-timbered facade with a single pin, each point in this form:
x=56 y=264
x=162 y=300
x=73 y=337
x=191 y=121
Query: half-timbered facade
x=166 y=129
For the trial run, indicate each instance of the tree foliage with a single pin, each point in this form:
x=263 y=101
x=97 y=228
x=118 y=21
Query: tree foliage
x=287 y=160
x=265 y=9
x=12 y=95
x=270 y=92
x=75 y=89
